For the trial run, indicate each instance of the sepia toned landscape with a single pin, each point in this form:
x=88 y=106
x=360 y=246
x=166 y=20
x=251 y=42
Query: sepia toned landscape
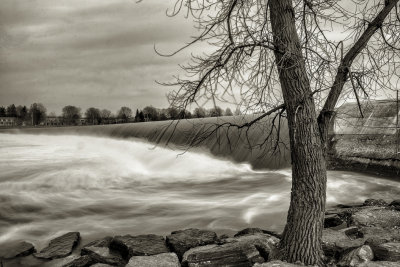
x=200 y=133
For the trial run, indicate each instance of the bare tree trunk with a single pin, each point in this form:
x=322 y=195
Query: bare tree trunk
x=301 y=239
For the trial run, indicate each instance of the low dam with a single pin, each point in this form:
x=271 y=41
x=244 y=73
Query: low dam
x=370 y=143
x=260 y=145
x=367 y=144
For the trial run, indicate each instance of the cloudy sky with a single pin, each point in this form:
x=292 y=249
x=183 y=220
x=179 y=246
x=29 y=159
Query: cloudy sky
x=88 y=53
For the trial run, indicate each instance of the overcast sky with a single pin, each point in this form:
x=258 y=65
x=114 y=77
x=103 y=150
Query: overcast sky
x=88 y=53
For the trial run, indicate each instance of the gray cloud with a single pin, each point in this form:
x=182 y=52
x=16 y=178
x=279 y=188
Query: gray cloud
x=87 y=53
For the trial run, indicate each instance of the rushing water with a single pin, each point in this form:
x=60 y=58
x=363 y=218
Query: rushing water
x=104 y=186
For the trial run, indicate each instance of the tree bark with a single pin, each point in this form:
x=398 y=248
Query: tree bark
x=301 y=239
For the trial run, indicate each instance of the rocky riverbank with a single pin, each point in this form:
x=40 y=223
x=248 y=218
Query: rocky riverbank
x=365 y=235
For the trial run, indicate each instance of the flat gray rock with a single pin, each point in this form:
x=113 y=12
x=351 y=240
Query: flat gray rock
x=103 y=255
x=336 y=243
x=375 y=236
x=357 y=256
x=239 y=251
x=16 y=250
x=387 y=252
x=164 y=260
x=182 y=241
x=60 y=247
x=82 y=261
x=141 y=245
x=376 y=216
x=100 y=252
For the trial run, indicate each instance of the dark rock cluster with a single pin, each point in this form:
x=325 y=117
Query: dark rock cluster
x=361 y=235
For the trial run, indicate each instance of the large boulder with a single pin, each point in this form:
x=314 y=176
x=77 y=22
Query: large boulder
x=239 y=251
x=375 y=236
x=60 y=247
x=100 y=252
x=10 y=251
x=376 y=216
x=388 y=252
x=141 y=245
x=336 y=243
x=357 y=256
x=164 y=260
x=182 y=241
x=374 y=202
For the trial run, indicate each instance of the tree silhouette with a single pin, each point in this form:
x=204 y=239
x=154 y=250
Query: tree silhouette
x=292 y=58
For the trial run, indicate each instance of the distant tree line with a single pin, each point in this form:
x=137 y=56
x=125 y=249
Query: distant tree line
x=36 y=114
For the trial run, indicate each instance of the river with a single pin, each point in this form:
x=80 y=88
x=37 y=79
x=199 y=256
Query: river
x=50 y=184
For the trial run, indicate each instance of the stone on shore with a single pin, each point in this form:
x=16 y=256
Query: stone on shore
x=357 y=256
x=239 y=251
x=375 y=236
x=182 y=241
x=60 y=247
x=374 y=202
x=14 y=250
x=395 y=204
x=336 y=243
x=100 y=265
x=332 y=220
x=163 y=259
x=82 y=261
x=380 y=264
x=376 y=216
x=277 y=264
x=387 y=252
x=252 y=231
x=100 y=252
x=104 y=242
x=141 y=245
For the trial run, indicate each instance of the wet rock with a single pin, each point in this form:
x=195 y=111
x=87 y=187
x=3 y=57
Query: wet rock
x=239 y=251
x=141 y=245
x=375 y=236
x=104 y=255
x=59 y=247
x=374 y=202
x=80 y=262
x=377 y=216
x=395 y=204
x=164 y=260
x=387 y=252
x=336 y=243
x=252 y=231
x=332 y=220
x=104 y=242
x=276 y=264
x=100 y=252
x=182 y=241
x=380 y=264
x=100 y=265
x=357 y=256
x=16 y=250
